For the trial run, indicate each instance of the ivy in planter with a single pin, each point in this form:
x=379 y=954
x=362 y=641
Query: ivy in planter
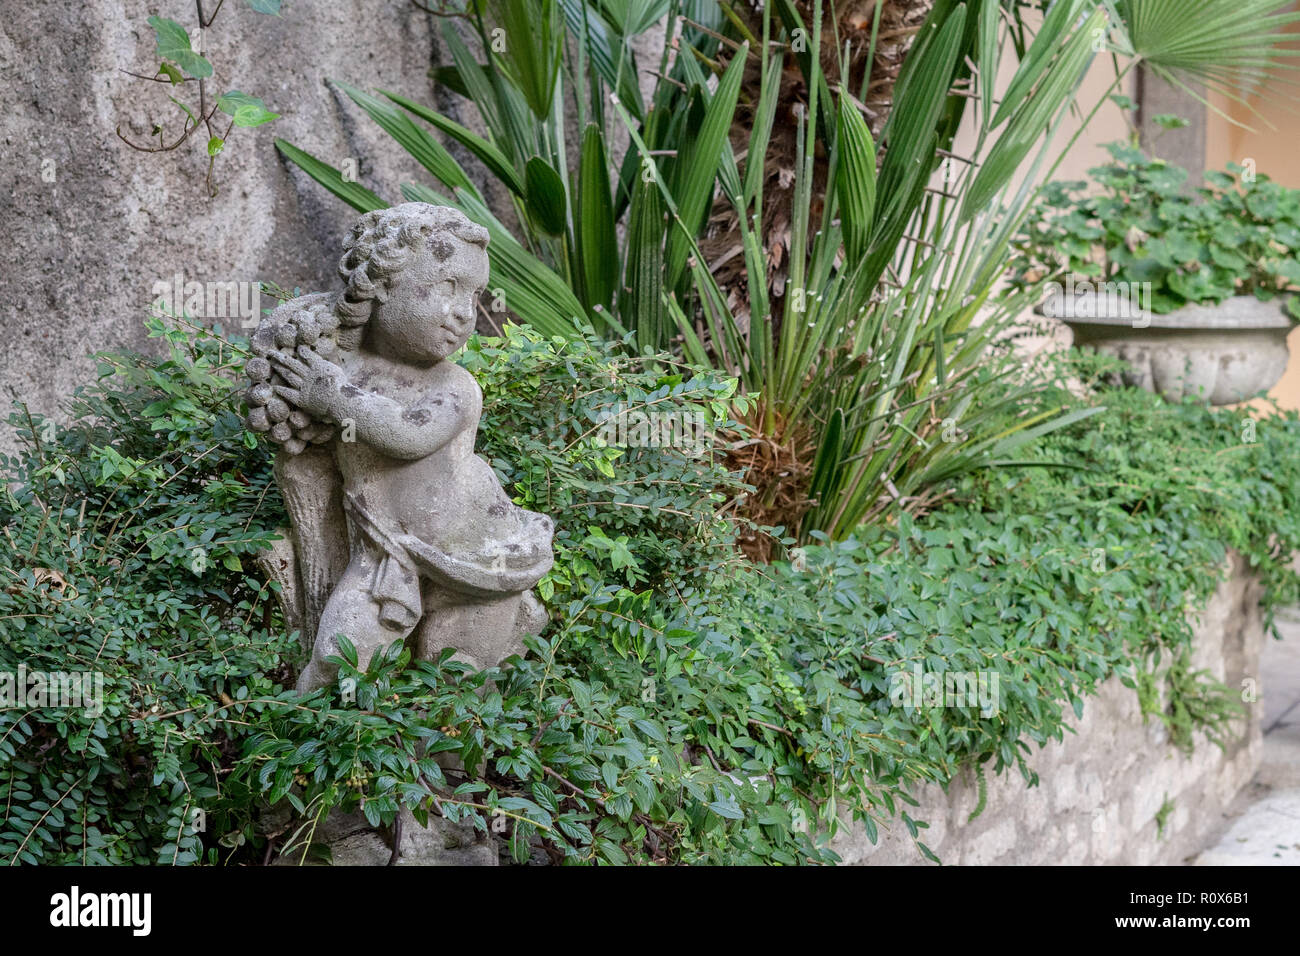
x=1134 y=222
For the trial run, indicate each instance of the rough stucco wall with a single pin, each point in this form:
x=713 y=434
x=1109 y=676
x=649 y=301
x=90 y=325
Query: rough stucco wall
x=86 y=249
x=1100 y=789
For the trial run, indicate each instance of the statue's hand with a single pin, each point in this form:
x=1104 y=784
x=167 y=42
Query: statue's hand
x=314 y=382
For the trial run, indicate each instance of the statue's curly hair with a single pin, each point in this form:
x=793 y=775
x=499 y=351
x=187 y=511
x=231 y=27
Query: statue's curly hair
x=380 y=246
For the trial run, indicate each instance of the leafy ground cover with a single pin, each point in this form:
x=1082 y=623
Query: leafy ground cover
x=684 y=705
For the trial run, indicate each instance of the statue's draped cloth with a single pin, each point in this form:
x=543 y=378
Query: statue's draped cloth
x=506 y=565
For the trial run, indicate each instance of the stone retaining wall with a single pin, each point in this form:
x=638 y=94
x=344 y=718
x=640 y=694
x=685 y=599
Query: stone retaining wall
x=1101 y=789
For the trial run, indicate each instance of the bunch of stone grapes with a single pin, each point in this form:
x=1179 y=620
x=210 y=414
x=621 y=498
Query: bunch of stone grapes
x=268 y=411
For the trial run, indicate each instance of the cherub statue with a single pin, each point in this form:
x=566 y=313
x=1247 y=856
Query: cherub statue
x=399 y=529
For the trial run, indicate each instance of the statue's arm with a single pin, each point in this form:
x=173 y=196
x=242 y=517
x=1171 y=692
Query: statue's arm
x=410 y=432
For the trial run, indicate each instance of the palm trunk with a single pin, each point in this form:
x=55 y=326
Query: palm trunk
x=778 y=461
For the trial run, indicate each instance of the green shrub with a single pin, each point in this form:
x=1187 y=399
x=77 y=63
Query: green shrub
x=629 y=518
x=127 y=550
x=682 y=707
x=1054 y=578
x=163 y=496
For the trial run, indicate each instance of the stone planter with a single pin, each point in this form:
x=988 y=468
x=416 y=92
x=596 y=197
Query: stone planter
x=1223 y=354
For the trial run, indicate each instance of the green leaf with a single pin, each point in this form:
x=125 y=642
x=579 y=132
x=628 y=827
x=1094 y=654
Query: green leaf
x=989 y=55
x=188 y=112
x=174 y=45
x=1034 y=66
x=533 y=38
x=728 y=809
x=215 y=145
x=488 y=94
x=347 y=650
x=641 y=304
x=169 y=71
x=271 y=7
x=487 y=153
x=1229 y=46
x=354 y=194
x=544 y=196
x=1032 y=116
x=609 y=54
x=595 y=239
x=829 y=453
x=1019 y=434
x=430 y=153
x=449 y=77
x=245 y=110
x=855 y=181
x=909 y=135
x=693 y=187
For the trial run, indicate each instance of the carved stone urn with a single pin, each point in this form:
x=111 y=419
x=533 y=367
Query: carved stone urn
x=1222 y=354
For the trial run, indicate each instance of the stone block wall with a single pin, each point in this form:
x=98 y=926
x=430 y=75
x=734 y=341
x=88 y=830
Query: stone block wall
x=1101 y=789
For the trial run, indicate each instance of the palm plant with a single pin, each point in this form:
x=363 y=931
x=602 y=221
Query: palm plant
x=862 y=41
x=876 y=382
x=549 y=67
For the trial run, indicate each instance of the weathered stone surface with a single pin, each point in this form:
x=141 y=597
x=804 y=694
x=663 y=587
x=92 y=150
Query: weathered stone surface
x=1225 y=353
x=91 y=244
x=399 y=529
x=353 y=842
x=1263 y=824
x=1100 y=790
x=1267 y=834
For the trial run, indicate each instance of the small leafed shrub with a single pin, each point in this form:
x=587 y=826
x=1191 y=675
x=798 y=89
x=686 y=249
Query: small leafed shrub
x=683 y=706
x=128 y=549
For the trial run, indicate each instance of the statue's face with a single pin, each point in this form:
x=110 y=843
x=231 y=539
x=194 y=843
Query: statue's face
x=428 y=312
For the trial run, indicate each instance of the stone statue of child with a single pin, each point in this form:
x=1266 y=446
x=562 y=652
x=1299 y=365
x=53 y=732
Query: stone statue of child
x=399 y=528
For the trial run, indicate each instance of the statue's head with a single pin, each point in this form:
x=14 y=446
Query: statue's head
x=413 y=276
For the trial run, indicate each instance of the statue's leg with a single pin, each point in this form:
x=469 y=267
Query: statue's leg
x=483 y=631
x=353 y=612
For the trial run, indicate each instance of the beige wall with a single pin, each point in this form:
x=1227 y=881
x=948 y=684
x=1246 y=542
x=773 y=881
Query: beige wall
x=1267 y=130
x=1272 y=139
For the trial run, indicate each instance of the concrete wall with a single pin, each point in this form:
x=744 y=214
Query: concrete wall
x=1100 y=790
x=86 y=248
